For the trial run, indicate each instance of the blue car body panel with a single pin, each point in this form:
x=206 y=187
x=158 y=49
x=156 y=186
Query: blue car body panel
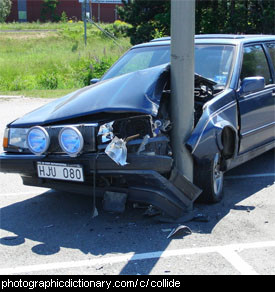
x=138 y=92
x=221 y=112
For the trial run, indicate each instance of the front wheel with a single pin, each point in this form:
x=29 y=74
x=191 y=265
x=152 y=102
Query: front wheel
x=209 y=177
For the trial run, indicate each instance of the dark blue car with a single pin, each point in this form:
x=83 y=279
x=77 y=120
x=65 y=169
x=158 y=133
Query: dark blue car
x=112 y=139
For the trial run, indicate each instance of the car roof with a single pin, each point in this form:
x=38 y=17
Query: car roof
x=230 y=39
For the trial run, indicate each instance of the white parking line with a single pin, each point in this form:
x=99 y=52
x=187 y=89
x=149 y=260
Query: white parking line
x=19 y=194
x=229 y=252
x=237 y=262
x=38 y=192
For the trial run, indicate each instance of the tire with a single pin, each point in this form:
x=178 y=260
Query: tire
x=209 y=177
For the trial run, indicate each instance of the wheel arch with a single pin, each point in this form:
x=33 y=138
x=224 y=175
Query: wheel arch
x=228 y=140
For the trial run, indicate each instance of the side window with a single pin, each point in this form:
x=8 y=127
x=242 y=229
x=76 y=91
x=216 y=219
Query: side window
x=255 y=63
x=271 y=49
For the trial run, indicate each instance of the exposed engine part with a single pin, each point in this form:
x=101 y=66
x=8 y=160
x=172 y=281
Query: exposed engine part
x=139 y=134
x=128 y=139
x=141 y=125
x=143 y=143
x=162 y=126
x=153 y=146
x=204 y=91
x=166 y=126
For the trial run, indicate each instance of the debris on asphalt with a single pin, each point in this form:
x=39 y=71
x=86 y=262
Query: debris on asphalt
x=131 y=224
x=186 y=217
x=201 y=218
x=166 y=229
x=180 y=231
x=10 y=237
x=49 y=226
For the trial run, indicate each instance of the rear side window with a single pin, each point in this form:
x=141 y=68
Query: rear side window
x=255 y=63
x=271 y=49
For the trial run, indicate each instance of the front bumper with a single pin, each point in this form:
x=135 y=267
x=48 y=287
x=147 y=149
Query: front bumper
x=144 y=179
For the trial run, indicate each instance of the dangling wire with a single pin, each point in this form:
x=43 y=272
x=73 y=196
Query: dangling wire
x=106 y=33
x=94 y=212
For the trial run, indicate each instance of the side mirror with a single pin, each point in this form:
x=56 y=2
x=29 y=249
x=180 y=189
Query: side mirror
x=252 y=84
x=94 y=81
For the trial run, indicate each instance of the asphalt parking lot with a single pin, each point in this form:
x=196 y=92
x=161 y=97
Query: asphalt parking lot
x=49 y=232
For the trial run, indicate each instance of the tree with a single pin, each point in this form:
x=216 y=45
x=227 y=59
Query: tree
x=48 y=11
x=235 y=16
x=5 y=9
x=151 y=18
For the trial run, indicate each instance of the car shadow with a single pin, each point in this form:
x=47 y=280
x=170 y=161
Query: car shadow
x=58 y=220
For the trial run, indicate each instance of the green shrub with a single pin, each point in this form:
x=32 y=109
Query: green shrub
x=118 y=28
x=48 y=80
x=99 y=67
x=64 y=17
x=21 y=83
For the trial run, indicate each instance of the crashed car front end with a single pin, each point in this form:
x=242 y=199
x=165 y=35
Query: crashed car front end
x=109 y=138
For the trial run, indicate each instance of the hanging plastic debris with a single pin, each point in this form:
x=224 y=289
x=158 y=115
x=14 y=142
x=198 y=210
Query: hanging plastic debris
x=117 y=151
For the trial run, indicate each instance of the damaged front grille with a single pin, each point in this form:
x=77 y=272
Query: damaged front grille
x=137 y=127
x=137 y=135
x=141 y=125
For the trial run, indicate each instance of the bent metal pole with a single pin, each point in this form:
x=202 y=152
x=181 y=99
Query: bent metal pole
x=182 y=81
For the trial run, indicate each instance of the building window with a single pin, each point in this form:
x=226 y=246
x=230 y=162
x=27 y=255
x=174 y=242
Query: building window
x=22 y=10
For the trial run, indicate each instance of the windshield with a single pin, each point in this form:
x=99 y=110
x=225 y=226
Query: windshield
x=139 y=59
x=211 y=61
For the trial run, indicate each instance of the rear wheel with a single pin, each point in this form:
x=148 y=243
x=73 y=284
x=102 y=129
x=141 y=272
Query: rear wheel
x=209 y=177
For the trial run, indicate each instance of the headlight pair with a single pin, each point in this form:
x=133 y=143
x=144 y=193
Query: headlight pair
x=37 y=140
x=70 y=140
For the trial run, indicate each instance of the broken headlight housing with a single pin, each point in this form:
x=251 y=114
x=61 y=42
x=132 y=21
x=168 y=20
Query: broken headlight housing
x=106 y=132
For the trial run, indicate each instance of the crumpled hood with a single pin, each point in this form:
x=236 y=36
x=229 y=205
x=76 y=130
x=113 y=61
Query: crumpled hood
x=139 y=92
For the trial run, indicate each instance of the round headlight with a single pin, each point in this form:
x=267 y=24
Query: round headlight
x=71 y=141
x=38 y=140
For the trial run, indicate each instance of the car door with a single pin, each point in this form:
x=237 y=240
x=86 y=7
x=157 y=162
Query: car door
x=256 y=108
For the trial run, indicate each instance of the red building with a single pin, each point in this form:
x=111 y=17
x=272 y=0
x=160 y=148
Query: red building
x=30 y=10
